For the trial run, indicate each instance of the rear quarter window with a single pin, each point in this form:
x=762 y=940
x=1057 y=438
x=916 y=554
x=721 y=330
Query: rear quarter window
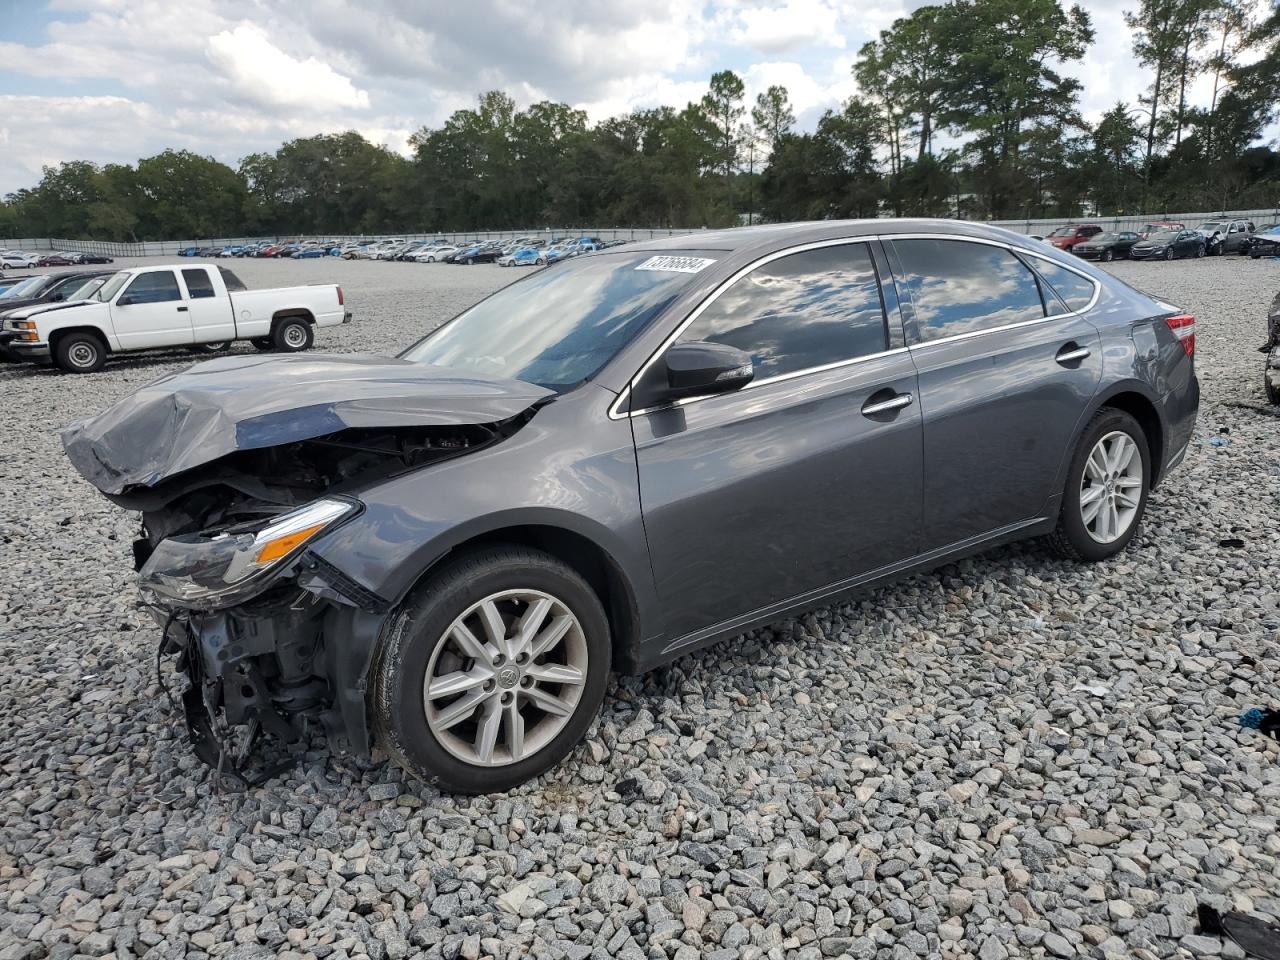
x=1075 y=290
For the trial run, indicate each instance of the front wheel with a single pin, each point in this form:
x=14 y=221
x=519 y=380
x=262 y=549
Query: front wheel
x=1200 y=251
x=492 y=671
x=1108 y=255
x=80 y=353
x=292 y=334
x=1168 y=254
x=1107 y=485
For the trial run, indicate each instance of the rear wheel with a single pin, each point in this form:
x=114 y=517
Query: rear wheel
x=80 y=353
x=1106 y=492
x=491 y=671
x=292 y=334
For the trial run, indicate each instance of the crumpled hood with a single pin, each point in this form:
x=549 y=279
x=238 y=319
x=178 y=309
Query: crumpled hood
x=250 y=402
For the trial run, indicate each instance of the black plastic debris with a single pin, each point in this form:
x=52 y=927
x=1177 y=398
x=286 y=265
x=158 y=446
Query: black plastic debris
x=1265 y=721
x=1253 y=935
x=1234 y=543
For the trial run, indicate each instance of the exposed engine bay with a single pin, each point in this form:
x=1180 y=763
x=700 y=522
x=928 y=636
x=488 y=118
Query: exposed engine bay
x=256 y=671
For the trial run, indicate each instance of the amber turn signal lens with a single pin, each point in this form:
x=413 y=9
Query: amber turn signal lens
x=286 y=544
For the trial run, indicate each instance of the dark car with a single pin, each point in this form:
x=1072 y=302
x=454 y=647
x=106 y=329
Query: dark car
x=1225 y=236
x=477 y=253
x=1265 y=242
x=1271 y=367
x=1064 y=238
x=55 y=260
x=613 y=463
x=1106 y=246
x=1169 y=245
x=52 y=288
x=91 y=258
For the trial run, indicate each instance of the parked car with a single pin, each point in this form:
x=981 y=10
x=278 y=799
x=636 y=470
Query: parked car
x=90 y=258
x=501 y=529
x=1266 y=242
x=1226 y=236
x=1271 y=367
x=189 y=251
x=1160 y=226
x=10 y=280
x=1066 y=237
x=524 y=257
x=17 y=258
x=55 y=260
x=53 y=288
x=435 y=254
x=1169 y=245
x=201 y=307
x=480 y=253
x=1106 y=246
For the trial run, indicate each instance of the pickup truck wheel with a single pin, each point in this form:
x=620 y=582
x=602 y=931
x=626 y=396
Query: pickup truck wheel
x=491 y=671
x=80 y=353
x=292 y=335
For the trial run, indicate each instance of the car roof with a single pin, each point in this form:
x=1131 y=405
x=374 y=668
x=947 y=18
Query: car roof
x=788 y=234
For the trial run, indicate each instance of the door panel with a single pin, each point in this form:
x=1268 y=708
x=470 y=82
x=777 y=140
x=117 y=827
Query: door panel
x=758 y=496
x=1002 y=388
x=158 y=317
x=211 y=316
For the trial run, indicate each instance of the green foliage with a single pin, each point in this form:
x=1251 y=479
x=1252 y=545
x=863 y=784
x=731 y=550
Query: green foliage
x=965 y=108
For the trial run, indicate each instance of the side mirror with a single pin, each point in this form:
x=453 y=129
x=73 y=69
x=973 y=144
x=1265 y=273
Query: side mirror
x=124 y=301
x=700 y=368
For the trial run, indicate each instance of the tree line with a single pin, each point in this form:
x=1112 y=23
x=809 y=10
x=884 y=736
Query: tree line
x=965 y=109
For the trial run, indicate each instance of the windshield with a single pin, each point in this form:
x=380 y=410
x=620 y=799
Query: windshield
x=82 y=291
x=24 y=288
x=559 y=326
x=108 y=289
x=1164 y=236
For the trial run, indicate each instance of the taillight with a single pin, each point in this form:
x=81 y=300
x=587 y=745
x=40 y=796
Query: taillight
x=339 y=296
x=1184 y=328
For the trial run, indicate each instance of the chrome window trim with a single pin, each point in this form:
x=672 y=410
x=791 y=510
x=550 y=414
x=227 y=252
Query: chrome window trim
x=615 y=409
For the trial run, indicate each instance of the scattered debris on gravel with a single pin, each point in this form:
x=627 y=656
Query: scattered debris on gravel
x=1014 y=756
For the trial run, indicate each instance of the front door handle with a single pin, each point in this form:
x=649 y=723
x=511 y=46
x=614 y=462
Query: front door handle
x=182 y=309
x=897 y=402
x=1071 y=354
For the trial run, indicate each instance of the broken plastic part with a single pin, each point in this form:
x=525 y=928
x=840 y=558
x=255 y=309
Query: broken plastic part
x=1255 y=936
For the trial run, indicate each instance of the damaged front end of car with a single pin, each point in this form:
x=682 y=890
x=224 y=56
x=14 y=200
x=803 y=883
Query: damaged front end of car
x=268 y=635
x=1271 y=368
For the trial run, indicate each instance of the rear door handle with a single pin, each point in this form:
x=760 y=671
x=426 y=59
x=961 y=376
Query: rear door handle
x=1071 y=354
x=182 y=309
x=870 y=409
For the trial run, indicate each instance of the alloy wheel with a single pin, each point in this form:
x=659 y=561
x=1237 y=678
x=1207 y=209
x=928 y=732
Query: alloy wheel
x=506 y=677
x=1111 y=488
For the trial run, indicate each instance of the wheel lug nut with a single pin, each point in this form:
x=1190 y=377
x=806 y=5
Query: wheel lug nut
x=526 y=681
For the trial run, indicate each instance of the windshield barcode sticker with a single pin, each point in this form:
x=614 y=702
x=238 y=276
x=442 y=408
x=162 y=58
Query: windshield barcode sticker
x=676 y=264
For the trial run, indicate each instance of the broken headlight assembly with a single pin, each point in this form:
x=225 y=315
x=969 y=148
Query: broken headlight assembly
x=205 y=571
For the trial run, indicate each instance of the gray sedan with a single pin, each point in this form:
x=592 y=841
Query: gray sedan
x=619 y=460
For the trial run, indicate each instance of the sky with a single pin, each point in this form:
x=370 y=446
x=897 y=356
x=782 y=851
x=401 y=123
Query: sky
x=115 y=80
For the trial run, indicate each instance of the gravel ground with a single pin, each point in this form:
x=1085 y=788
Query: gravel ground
x=914 y=774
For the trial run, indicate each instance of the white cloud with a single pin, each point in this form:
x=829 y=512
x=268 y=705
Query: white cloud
x=260 y=71
x=774 y=28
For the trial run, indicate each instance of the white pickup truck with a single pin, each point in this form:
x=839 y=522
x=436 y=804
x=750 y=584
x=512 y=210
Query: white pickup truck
x=201 y=307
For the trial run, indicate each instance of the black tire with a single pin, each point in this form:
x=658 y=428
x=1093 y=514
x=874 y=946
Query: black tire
x=1071 y=538
x=1200 y=251
x=263 y=343
x=1271 y=382
x=80 y=353
x=217 y=347
x=419 y=627
x=1108 y=255
x=292 y=334
x=1168 y=253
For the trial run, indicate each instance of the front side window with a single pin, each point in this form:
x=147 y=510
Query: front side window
x=558 y=327
x=160 y=286
x=800 y=311
x=957 y=287
x=199 y=285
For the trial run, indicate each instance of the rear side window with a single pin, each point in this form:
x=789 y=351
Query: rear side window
x=198 y=284
x=1076 y=291
x=800 y=311
x=159 y=286
x=957 y=287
